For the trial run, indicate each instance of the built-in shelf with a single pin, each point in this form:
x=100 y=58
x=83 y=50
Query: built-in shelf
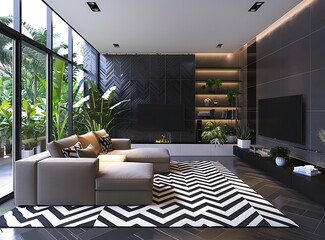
x=223 y=81
x=217 y=68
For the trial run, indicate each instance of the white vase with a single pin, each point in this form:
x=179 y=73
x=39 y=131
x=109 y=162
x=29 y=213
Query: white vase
x=280 y=161
x=243 y=143
x=27 y=153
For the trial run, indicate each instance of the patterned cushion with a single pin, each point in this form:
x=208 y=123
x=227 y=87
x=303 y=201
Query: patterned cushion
x=106 y=143
x=72 y=152
x=88 y=152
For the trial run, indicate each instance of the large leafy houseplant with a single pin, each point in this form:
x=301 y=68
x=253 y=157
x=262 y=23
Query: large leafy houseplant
x=214 y=133
x=99 y=110
x=33 y=124
x=6 y=119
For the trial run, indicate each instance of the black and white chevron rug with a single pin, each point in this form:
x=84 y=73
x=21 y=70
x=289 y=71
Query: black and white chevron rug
x=194 y=194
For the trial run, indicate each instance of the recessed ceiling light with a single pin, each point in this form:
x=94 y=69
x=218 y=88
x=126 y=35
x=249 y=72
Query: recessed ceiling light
x=256 y=6
x=116 y=45
x=93 y=6
x=219 y=45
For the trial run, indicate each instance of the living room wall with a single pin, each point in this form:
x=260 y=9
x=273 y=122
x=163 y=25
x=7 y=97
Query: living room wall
x=151 y=79
x=290 y=61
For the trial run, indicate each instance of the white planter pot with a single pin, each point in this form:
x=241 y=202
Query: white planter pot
x=280 y=161
x=231 y=139
x=27 y=153
x=243 y=143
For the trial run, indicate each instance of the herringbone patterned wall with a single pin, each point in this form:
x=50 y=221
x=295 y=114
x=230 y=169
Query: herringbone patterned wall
x=156 y=79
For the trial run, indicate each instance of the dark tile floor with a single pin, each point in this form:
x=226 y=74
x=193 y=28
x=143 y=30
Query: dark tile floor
x=309 y=215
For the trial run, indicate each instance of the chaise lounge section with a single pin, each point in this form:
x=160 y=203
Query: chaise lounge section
x=124 y=176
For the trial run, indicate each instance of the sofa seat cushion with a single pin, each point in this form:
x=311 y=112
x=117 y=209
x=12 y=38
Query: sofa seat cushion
x=124 y=176
x=151 y=155
x=111 y=158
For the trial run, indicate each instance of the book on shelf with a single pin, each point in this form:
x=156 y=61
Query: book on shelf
x=307 y=170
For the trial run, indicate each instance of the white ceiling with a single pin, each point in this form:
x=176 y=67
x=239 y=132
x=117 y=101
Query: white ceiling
x=170 y=26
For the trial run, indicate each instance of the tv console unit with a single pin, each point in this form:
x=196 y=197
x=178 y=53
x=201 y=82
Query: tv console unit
x=312 y=187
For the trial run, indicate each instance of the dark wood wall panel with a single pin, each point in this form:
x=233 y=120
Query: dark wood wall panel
x=155 y=79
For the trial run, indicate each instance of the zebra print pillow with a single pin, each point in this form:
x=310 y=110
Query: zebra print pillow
x=72 y=152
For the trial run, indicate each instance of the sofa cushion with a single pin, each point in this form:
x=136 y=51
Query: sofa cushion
x=124 y=176
x=72 y=151
x=106 y=143
x=88 y=152
x=55 y=147
x=90 y=138
x=153 y=155
x=100 y=133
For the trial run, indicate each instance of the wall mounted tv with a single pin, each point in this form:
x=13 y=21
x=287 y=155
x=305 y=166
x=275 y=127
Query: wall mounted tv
x=161 y=117
x=282 y=118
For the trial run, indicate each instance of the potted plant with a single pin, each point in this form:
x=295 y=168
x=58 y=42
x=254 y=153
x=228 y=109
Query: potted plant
x=230 y=132
x=213 y=133
x=212 y=84
x=6 y=124
x=232 y=97
x=280 y=154
x=33 y=126
x=243 y=133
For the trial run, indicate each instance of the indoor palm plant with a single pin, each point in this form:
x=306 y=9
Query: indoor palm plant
x=99 y=110
x=213 y=133
x=280 y=154
x=243 y=133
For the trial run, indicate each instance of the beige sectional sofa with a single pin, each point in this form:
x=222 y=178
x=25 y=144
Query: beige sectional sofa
x=122 y=176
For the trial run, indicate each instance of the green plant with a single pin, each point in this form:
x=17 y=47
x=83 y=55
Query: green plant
x=321 y=134
x=280 y=151
x=232 y=96
x=6 y=119
x=33 y=124
x=99 y=110
x=212 y=84
x=214 y=133
x=229 y=130
x=243 y=132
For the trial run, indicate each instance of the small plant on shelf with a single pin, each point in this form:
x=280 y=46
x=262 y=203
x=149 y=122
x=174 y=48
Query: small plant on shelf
x=214 y=133
x=212 y=84
x=244 y=135
x=243 y=132
x=280 y=154
x=232 y=97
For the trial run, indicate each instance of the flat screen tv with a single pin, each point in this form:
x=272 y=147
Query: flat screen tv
x=161 y=117
x=282 y=118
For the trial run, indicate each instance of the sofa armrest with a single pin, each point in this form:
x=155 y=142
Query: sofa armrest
x=26 y=179
x=67 y=181
x=121 y=143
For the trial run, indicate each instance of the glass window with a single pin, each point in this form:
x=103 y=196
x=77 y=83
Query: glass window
x=60 y=36
x=6 y=79
x=7 y=12
x=60 y=99
x=33 y=80
x=33 y=17
x=90 y=62
x=78 y=49
x=79 y=126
